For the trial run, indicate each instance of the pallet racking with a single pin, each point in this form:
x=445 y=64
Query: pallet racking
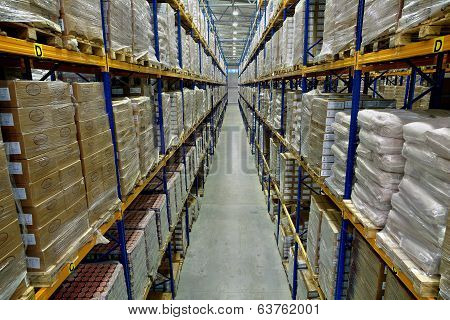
x=427 y=59
x=27 y=55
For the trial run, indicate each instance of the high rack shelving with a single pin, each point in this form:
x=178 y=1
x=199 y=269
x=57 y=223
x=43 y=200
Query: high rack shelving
x=427 y=59
x=28 y=55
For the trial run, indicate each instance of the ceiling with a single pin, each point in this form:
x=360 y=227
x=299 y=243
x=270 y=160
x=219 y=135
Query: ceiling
x=231 y=36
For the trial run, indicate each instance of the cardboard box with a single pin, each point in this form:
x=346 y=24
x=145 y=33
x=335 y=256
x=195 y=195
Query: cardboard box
x=94 y=179
x=3 y=163
x=38 y=167
x=10 y=238
x=13 y=267
x=96 y=160
x=5 y=184
x=57 y=228
x=24 y=120
x=26 y=94
x=59 y=251
x=89 y=110
x=92 y=127
x=29 y=145
x=98 y=142
x=40 y=214
x=74 y=192
x=8 y=212
x=70 y=173
x=37 y=192
x=88 y=91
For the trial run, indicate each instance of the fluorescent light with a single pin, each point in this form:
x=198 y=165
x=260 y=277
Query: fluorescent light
x=235 y=24
x=234 y=38
x=234 y=32
x=235 y=12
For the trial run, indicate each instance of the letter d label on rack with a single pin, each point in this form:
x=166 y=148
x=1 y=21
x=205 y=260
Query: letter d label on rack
x=438 y=45
x=38 y=50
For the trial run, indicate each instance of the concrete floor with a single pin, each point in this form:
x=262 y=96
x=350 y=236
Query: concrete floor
x=233 y=253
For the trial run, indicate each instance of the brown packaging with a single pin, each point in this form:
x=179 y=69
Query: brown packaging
x=37 y=192
x=92 y=127
x=89 y=110
x=9 y=238
x=5 y=184
x=29 y=145
x=8 y=212
x=25 y=94
x=25 y=120
x=40 y=214
x=92 y=145
x=70 y=173
x=88 y=91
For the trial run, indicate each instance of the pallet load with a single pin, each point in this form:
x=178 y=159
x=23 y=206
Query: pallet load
x=144 y=219
x=97 y=151
x=287 y=42
x=416 y=12
x=119 y=18
x=379 y=161
x=165 y=120
x=398 y=93
x=367 y=272
x=167 y=39
x=418 y=219
x=127 y=146
x=12 y=254
x=82 y=26
x=41 y=141
x=394 y=289
x=285 y=236
x=135 y=249
x=183 y=182
x=40 y=14
x=144 y=120
x=301 y=265
x=380 y=20
x=306 y=288
x=94 y=281
x=319 y=205
x=179 y=237
x=330 y=230
x=315 y=31
x=275 y=160
x=176 y=117
x=293 y=104
x=339 y=28
x=143 y=37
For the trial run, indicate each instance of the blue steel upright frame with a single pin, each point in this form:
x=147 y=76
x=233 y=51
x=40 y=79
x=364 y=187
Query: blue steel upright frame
x=163 y=143
x=106 y=78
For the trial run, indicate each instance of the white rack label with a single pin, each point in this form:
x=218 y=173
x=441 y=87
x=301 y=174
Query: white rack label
x=4 y=94
x=117 y=91
x=135 y=90
x=33 y=263
x=20 y=193
x=25 y=219
x=6 y=120
x=15 y=168
x=12 y=148
x=29 y=239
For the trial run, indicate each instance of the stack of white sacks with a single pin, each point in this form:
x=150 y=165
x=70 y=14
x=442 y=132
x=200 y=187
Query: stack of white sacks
x=287 y=42
x=418 y=218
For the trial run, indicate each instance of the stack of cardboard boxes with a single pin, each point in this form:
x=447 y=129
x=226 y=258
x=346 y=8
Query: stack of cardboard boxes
x=12 y=253
x=41 y=142
x=97 y=151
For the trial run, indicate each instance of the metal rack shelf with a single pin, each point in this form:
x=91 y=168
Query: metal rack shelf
x=346 y=212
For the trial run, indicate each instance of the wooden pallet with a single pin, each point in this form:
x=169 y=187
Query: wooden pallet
x=426 y=286
x=356 y=217
x=123 y=55
x=32 y=34
x=429 y=29
x=80 y=44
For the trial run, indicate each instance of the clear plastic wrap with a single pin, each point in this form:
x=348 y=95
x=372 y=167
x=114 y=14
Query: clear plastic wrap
x=365 y=206
x=13 y=271
x=423 y=155
x=416 y=132
x=143 y=37
x=380 y=144
x=415 y=12
x=120 y=25
x=380 y=19
x=82 y=18
x=379 y=192
x=42 y=13
x=439 y=141
x=382 y=178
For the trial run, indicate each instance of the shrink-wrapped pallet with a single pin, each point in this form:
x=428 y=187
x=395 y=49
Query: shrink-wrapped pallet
x=165 y=119
x=379 y=164
x=143 y=36
x=144 y=219
x=418 y=219
x=135 y=250
x=394 y=289
x=287 y=42
x=82 y=19
x=315 y=31
x=144 y=119
x=120 y=25
x=94 y=281
x=380 y=19
x=127 y=147
x=444 y=269
x=41 y=13
x=176 y=116
x=339 y=27
x=415 y=12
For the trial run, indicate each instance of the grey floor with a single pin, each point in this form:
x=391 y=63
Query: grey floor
x=233 y=253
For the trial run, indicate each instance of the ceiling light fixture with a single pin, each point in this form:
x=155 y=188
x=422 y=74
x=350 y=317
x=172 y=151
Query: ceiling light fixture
x=234 y=32
x=234 y=38
x=235 y=24
x=235 y=12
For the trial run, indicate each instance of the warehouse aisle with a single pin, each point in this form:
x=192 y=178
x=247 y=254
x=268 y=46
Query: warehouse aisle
x=233 y=252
